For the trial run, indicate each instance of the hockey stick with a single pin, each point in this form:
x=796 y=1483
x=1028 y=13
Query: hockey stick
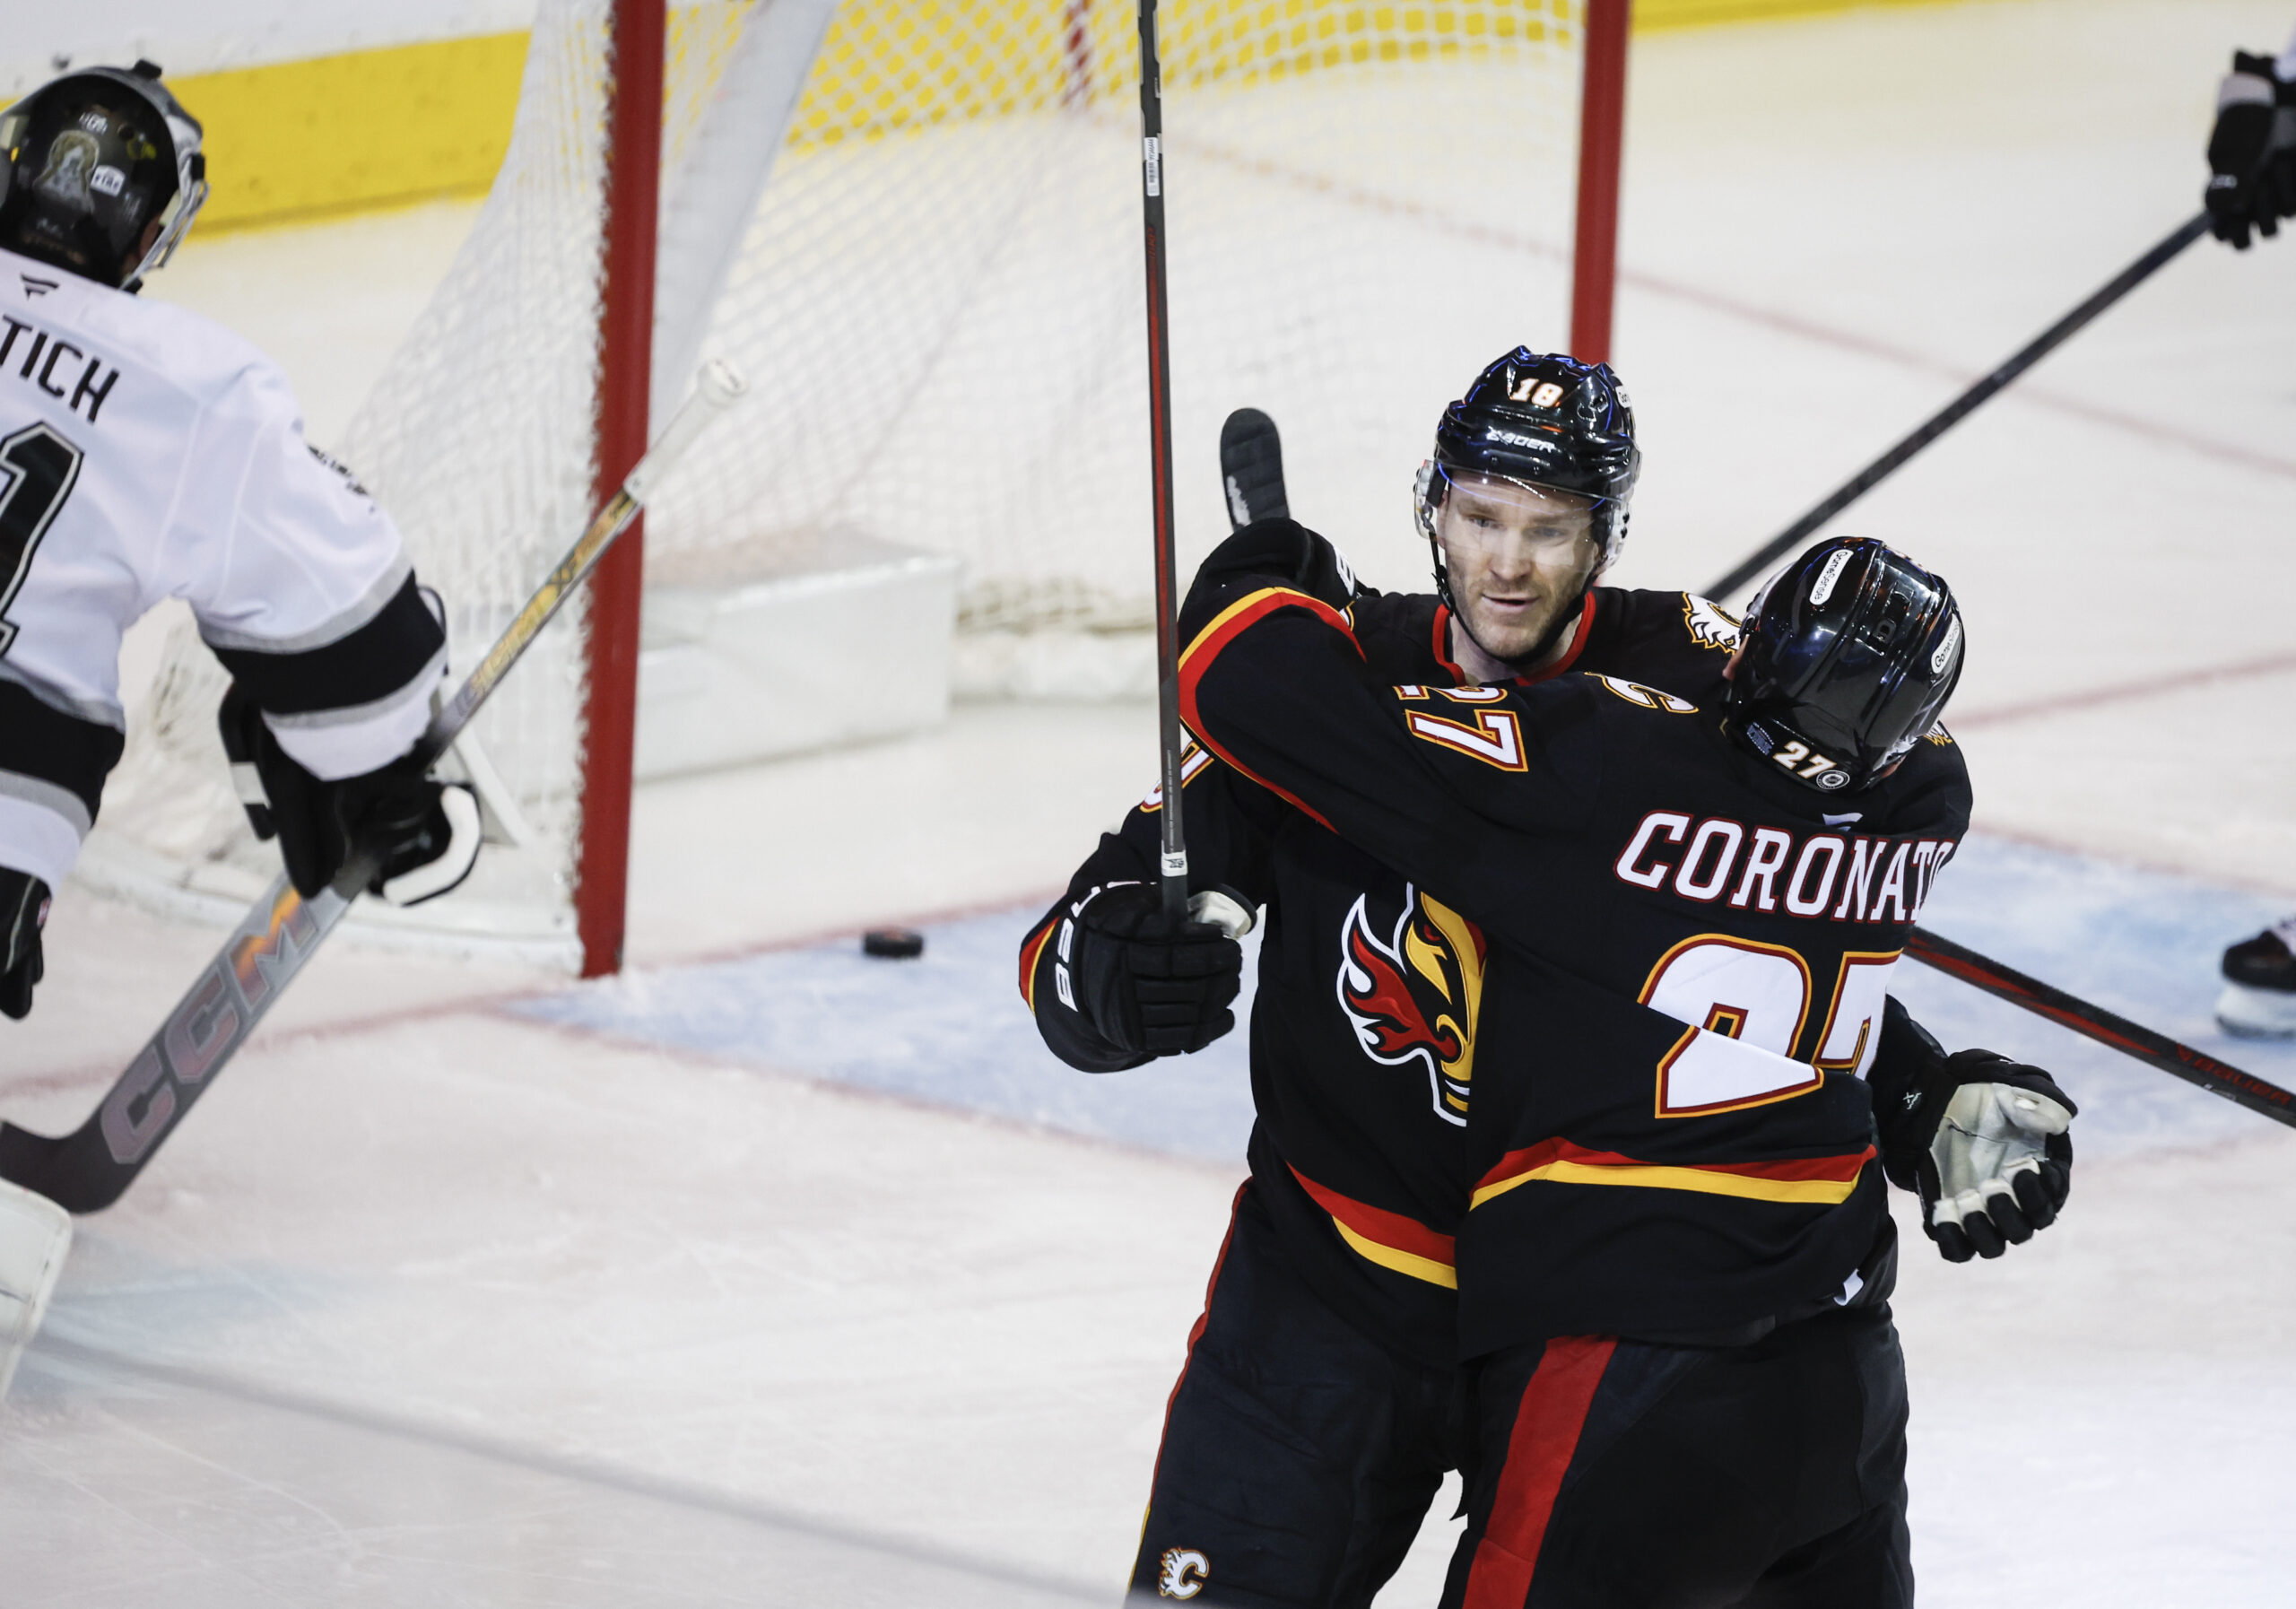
x=2095 y=1023
x=1174 y=858
x=1252 y=469
x=1961 y=407
x=87 y=1170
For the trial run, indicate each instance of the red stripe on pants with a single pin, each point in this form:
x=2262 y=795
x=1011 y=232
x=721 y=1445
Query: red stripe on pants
x=1547 y=1422
x=1194 y=1335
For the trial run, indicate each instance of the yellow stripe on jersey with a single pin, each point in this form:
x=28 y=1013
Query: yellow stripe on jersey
x=1401 y=1261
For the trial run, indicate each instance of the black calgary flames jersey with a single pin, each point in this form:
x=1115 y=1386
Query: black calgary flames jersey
x=1680 y=962
x=1369 y=1026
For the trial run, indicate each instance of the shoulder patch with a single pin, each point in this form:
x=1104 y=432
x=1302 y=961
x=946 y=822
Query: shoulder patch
x=1710 y=626
x=1648 y=697
x=343 y=471
x=1939 y=735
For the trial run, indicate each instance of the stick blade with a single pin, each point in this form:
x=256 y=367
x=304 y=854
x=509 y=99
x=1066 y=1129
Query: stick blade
x=1251 y=469
x=76 y=1171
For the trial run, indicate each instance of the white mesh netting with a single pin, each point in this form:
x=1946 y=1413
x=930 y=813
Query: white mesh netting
x=939 y=306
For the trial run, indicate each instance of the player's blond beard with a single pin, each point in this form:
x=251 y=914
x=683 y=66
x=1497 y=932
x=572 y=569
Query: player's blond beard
x=1551 y=642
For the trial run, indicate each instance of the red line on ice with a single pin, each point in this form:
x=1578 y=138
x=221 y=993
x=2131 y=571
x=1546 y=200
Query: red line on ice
x=2122 y=693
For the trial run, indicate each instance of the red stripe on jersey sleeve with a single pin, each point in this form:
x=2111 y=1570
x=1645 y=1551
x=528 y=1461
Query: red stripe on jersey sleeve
x=1230 y=623
x=1032 y=948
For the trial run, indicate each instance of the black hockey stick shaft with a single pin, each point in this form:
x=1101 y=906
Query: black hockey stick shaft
x=2095 y=1023
x=1961 y=407
x=89 y=1168
x=1174 y=857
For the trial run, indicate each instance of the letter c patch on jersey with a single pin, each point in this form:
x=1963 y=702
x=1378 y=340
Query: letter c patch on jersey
x=1182 y=1574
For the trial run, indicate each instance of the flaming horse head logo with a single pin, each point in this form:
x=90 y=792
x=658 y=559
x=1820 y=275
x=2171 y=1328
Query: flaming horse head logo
x=1416 y=996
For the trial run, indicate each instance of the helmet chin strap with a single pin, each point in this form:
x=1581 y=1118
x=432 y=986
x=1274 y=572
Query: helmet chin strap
x=1527 y=661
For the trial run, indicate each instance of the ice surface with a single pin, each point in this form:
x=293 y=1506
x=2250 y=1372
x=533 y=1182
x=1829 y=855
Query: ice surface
x=2142 y=943
x=773 y=1275
x=946 y=1028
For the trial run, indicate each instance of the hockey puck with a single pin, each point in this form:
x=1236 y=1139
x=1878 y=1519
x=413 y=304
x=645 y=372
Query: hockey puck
x=893 y=944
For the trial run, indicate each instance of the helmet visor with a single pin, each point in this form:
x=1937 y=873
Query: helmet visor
x=1481 y=513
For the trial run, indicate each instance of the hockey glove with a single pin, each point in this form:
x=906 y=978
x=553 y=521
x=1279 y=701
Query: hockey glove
x=1147 y=986
x=23 y=912
x=424 y=832
x=1286 y=551
x=1983 y=1140
x=2252 y=153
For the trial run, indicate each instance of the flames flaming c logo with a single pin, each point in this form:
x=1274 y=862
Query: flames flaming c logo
x=1416 y=996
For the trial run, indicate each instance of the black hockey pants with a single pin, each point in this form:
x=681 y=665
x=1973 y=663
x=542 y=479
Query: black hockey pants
x=1616 y=1474
x=1298 y=1455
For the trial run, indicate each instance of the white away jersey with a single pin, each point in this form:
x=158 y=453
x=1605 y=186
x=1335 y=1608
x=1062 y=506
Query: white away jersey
x=146 y=453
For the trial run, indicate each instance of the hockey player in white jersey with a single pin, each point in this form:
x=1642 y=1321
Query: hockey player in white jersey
x=146 y=454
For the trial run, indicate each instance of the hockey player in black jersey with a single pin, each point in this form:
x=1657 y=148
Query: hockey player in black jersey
x=1369 y=1025
x=1344 y=1242
x=146 y=453
x=1674 y=1258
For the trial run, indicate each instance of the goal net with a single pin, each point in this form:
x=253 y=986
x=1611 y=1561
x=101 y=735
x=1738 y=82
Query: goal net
x=938 y=297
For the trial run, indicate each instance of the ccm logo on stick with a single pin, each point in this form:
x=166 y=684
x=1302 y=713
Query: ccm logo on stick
x=212 y=1018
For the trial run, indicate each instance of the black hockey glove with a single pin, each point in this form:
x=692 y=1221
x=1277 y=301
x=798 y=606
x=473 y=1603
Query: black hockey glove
x=1145 y=985
x=23 y=912
x=425 y=832
x=1283 y=550
x=2252 y=151
x=1982 y=1138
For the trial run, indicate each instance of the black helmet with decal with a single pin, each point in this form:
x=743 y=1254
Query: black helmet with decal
x=1547 y=420
x=1848 y=655
x=88 y=162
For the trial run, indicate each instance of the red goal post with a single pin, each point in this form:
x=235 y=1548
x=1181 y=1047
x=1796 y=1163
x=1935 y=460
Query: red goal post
x=625 y=385
x=1602 y=140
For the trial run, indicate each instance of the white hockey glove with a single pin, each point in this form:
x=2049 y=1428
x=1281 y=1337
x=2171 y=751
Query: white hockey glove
x=1983 y=1139
x=1995 y=1162
x=2003 y=1163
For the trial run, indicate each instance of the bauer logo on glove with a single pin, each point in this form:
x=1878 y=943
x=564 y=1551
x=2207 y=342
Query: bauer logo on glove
x=1147 y=985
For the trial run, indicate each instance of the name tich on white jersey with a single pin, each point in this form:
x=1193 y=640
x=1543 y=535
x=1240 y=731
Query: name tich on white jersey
x=35 y=356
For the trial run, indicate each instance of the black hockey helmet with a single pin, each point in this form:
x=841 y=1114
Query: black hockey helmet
x=1847 y=657
x=1546 y=419
x=88 y=161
